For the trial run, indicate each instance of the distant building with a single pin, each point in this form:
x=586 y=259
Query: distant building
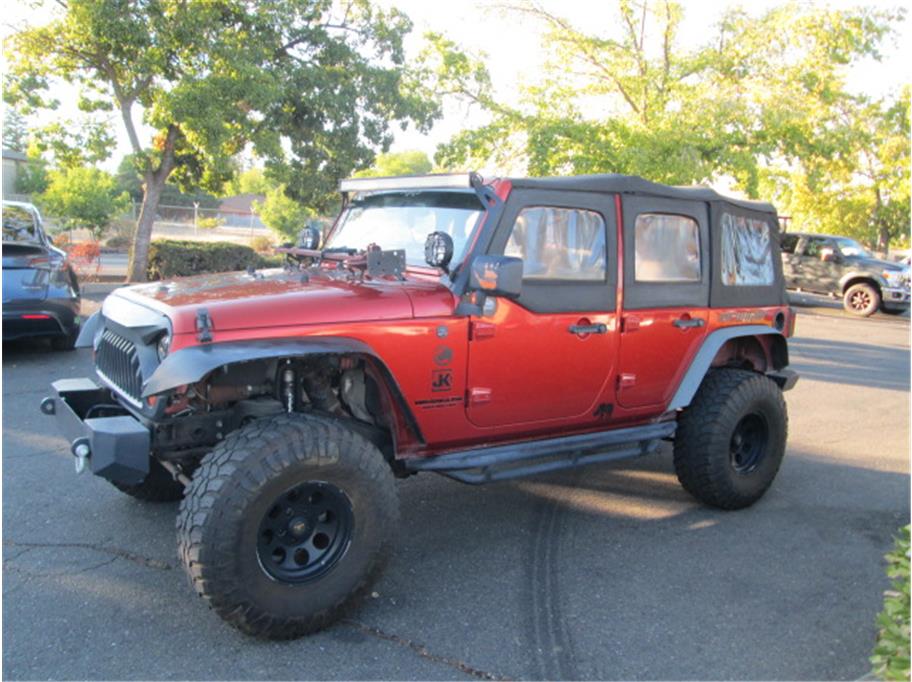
x=13 y=162
x=237 y=211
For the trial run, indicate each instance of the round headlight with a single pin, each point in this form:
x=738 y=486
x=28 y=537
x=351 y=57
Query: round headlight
x=163 y=346
x=309 y=237
x=438 y=249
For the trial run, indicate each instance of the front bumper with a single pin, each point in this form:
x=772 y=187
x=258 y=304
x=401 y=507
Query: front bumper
x=115 y=444
x=895 y=298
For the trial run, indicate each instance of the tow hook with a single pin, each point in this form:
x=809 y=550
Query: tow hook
x=82 y=452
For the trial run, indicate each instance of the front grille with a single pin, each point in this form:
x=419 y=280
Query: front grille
x=116 y=358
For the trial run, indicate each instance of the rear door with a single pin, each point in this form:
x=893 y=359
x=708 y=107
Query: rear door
x=666 y=296
x=549 y=357
x=788 y=247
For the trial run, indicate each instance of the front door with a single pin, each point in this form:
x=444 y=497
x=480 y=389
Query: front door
x=666 y=296
x=548 y=357
x=814 y=273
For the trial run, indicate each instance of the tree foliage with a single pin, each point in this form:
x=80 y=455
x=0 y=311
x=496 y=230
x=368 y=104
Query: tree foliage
x=311 y=86
x=250 y=181
x=15 y=132
x=81 y=197
x=763 y=102
x=398 y=163
x=282 y=214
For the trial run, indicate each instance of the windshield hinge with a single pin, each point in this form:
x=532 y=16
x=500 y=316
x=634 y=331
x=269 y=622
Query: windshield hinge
x=203 y=326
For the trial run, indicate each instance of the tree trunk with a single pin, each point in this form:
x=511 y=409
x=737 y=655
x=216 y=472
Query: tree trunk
x=883 y=239
x=142 y=236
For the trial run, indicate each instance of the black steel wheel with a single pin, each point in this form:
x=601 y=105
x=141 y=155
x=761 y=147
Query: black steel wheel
x=731 y=439
x=287 y=523
x=749 y=443
x=305 y=532
x=861 y=299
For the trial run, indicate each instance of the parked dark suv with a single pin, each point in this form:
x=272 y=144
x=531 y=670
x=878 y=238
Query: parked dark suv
x=828 y=264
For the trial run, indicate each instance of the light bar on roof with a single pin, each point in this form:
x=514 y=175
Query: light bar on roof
x=449 y=181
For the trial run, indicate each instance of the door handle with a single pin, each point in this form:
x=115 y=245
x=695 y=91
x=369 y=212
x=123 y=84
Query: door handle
x=588 y=328
x=688 y=322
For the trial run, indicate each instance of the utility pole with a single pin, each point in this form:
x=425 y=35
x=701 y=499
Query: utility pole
x=195 y=216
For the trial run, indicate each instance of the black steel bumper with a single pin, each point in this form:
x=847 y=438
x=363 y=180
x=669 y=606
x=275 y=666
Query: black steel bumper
x=114 y=443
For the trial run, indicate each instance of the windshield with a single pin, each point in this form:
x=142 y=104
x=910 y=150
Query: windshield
x=403 y=220
x=849 y=247
x=19 y=226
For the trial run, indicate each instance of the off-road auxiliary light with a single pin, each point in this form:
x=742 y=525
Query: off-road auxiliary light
x=442 y=181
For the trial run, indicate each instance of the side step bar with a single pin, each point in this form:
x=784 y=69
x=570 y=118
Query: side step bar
x=502 y=462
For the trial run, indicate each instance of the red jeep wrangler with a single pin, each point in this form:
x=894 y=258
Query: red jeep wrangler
x=481 y=330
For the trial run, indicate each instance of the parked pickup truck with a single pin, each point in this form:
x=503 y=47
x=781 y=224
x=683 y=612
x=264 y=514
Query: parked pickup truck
x=827 y=264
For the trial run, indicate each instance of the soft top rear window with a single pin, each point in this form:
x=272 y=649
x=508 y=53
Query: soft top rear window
x=19 y=226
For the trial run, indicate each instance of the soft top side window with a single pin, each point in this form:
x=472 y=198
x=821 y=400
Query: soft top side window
x=667 y=248
x=747 y=256
x=561 y=244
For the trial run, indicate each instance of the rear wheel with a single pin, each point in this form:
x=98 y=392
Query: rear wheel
x=861 y=299
x=67 y=341
x=287 y=523
x=731 y=439
x=157 y=486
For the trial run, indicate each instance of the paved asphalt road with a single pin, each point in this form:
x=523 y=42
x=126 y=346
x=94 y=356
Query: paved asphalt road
x=612 y=572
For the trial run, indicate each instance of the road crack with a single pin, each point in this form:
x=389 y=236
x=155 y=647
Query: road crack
x=118 y=552
x=422 y=651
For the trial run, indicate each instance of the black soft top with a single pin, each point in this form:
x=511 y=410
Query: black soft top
x=632 y=184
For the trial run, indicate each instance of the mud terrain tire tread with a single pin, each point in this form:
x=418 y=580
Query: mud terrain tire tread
x=703 y=437
x=157 y=486
x=230 y=480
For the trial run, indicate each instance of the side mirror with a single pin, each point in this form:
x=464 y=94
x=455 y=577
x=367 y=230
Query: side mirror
x=497 y=276
x=438 y=250
x=309 y=238
x=828 y=256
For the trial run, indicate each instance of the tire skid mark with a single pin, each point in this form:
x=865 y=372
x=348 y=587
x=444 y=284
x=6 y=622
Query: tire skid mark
x=422 y=651
x=118 y=552
x=552 y=643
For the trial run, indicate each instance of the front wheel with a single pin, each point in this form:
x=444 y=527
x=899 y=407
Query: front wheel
x=287 y=523
x=731 y=439
x=861 y=299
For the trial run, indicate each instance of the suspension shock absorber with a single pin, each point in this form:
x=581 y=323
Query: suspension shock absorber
x=288 y=386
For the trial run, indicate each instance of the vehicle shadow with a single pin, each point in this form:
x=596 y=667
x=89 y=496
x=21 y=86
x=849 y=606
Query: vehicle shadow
x=850 y=362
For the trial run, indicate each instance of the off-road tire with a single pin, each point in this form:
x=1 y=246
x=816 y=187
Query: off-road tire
x=861 y=299
x=236 y=485
x=157 y=486
x=705 y=450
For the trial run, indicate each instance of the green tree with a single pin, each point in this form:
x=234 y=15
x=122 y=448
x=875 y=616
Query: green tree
x=83 y=198
x=761 y=97
x=130 y=181
x=32 y=178
x=282 y=214
x=250 y=181
x=15 y=133
x=312 y=86
x=398 y=163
